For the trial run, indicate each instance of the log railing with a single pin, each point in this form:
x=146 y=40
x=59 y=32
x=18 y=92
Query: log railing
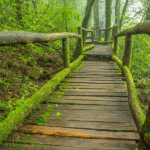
x=16 y=116
x=21 y=37
x=114 y=31
x=80 y=32
x=142 y=121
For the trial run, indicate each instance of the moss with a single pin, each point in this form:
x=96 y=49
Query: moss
x=88 y=47
x=132 y=94
x=17 y=116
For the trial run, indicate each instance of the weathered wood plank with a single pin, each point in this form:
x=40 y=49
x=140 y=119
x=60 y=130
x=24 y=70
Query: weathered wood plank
x=89 y=102
x=101 y=88
x=103 y=144
x=119 y=126
x=94 y=98
x=80 y=92
x=96 y=79
x=78 y=133
x=95 y=107
x=96 y=82
x=94 y=85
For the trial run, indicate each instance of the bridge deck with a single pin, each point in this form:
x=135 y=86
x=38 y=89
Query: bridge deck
x=94 y=111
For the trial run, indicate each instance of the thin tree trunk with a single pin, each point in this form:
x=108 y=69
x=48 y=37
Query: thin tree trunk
x=123 y=13
x=87 y=16
x=96 y=16
x=85 y=24
x=117 y=12
x=108 y=18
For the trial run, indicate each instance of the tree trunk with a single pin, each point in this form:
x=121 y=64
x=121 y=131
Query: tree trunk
x=123 y=13
x=117 y=12
x=87 y=16
x=85 y=24
x=108 y=18
x=96 y=16
x=147 y=18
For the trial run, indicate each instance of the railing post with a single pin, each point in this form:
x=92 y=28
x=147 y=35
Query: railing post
x=94 y=32
x=65 y=50
x=80 y=41
x=100 y=34
x=115 y=45
x=92 y=37
x=115 y=30
x=128 y=51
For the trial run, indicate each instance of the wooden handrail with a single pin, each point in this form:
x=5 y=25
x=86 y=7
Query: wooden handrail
x=143 y=123
x=21 y=37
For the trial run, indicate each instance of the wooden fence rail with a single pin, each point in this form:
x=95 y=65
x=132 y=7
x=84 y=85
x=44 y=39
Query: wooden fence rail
x=21 y=37
x=142 y=121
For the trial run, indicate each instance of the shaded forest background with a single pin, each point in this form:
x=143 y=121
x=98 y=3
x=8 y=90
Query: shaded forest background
x=25 y=68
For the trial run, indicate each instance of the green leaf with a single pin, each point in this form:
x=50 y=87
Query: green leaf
x=41 y=120
x=58 y=114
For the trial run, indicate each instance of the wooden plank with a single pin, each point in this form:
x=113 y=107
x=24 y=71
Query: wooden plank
x=94 y=113
x=103 y=88
x=96 y=79
x=96 y=90
x=84 y=117
x=97 y=73
x=94 y=82
x=95 y=107
x=98 y=70
x=89 y=102
x=128 y=126
x=94 y=98
x=103 y=144
x=79 y=92
x=78 y=133
x=39 y=147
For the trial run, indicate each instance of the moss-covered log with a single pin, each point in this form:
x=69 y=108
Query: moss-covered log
x=21 y=37
x=17 y=116
x=88 y=47
x=142 y=28
x=136 y=110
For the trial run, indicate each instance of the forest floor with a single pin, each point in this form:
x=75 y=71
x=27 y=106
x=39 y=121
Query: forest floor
x=20 y=81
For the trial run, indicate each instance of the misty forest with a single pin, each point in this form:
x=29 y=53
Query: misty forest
x=25 y=68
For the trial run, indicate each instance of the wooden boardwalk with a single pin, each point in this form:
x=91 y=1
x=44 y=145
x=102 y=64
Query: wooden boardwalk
x=95 y=113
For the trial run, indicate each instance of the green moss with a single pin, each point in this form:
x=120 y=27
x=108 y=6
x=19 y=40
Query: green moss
x=132 y=93
x=17 y=116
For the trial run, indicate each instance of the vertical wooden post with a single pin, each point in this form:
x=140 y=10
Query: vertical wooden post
x=115 y=29
x=92 y=37
x=65 y=50
x=94 y=32
x=100 y=34
x=80 y=41
x=115 y=45
x=128 y=51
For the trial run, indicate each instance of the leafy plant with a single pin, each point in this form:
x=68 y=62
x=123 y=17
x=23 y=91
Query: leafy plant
x=58 y=114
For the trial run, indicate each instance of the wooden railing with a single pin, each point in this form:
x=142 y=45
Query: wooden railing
x=142 y=121
x=114 y=31
x=20 y=37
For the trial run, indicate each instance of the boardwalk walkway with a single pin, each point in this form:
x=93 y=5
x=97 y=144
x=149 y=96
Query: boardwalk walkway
x=93 y=113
